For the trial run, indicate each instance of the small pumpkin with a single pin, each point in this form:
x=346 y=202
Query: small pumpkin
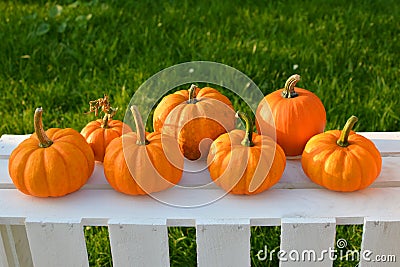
x=51 y=163
x=99 y=133
x=139 y=163
x=245 y=163
x=297 y=115
x=195 y=117
x=342 y=160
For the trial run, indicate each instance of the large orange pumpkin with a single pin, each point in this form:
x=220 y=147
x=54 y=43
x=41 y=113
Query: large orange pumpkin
x=195 y=117
x=341 y=160
x=52 y=163
x=246 y=163
x=298 y=114
x=139 y=163
x=99 y=133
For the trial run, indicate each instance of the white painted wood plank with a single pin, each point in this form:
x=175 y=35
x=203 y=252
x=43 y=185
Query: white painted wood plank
x=139 y=242
x=9 y=248
x=223 y=242
x=307 y=241
x=96 y=181
x=266 y=208
x=293 y=177
x=14 y=246
x=57 y=243
x=381 y=135
x=21 y=244
x=381 y=242
x=197 y=176
x=5 y=179
x=8 y=142
x=386 y=142
x=3 y=248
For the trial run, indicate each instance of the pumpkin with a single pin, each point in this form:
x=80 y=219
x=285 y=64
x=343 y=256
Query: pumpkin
x=139 y=163
x=245 y=163
x=297 y=115
x=51 y=163
x=99 y=133
x=341 y=160
x=195 y=117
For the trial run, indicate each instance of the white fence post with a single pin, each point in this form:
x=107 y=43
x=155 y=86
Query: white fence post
x=307 y=241
x=380 y=242
x=223 y=242
x=57 y=243
x=139 y=242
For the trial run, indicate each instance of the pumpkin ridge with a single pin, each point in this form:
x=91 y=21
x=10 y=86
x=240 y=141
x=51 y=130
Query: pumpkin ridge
x=21 y=156
x=326 y=176
x=366 y=153
x=252 y=171
x=94 y=141
x=272 y=164
x=46 y=164
x=31 y=142
x=28 y=170
x=119 y=183
x=212 y=93
x=364 y=143
x=153 y=158
x=319 y=162
x=104 y=140
x=320 y=148
x=361 y=169
x=138 y=159
x=86 y=167
x=61 y=156
x=169 y=120
x=45 y=173
x=79 y=146
x=159 y=117
x=56 y=134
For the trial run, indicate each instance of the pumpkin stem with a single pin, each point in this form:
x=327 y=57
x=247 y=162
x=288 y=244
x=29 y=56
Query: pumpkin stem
x=140 y=131
x=104 y=105
x=344 y=135
x=248 y=138
x=288 y=91
x=44 y=140
x=109 y=114
x=192 y=92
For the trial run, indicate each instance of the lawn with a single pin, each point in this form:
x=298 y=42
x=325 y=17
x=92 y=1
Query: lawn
x=60 y=55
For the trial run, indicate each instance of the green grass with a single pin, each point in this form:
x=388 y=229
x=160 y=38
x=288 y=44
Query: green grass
x=60 y=55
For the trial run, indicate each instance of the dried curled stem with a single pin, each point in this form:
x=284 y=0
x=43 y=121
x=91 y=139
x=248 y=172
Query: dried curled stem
x=102 y=104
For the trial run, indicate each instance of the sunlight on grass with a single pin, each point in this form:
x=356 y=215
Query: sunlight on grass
x=60 y=55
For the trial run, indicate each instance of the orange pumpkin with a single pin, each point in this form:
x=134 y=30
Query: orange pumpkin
x=297 y=115
x=142 y=163
x=195 y=117
x=52 y=163
x=246 y=163
x=101 y=132
x=341 y=160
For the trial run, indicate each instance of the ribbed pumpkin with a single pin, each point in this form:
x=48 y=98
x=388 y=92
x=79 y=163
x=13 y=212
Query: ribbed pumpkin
x=341 y=160
x=52 y=163
x=245 y=163
x=139 y=163
x=99 y=133
x=195 y=117
x=298 y=114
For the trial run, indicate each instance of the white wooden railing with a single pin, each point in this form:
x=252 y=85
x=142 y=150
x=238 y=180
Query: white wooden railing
x=49 y=232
